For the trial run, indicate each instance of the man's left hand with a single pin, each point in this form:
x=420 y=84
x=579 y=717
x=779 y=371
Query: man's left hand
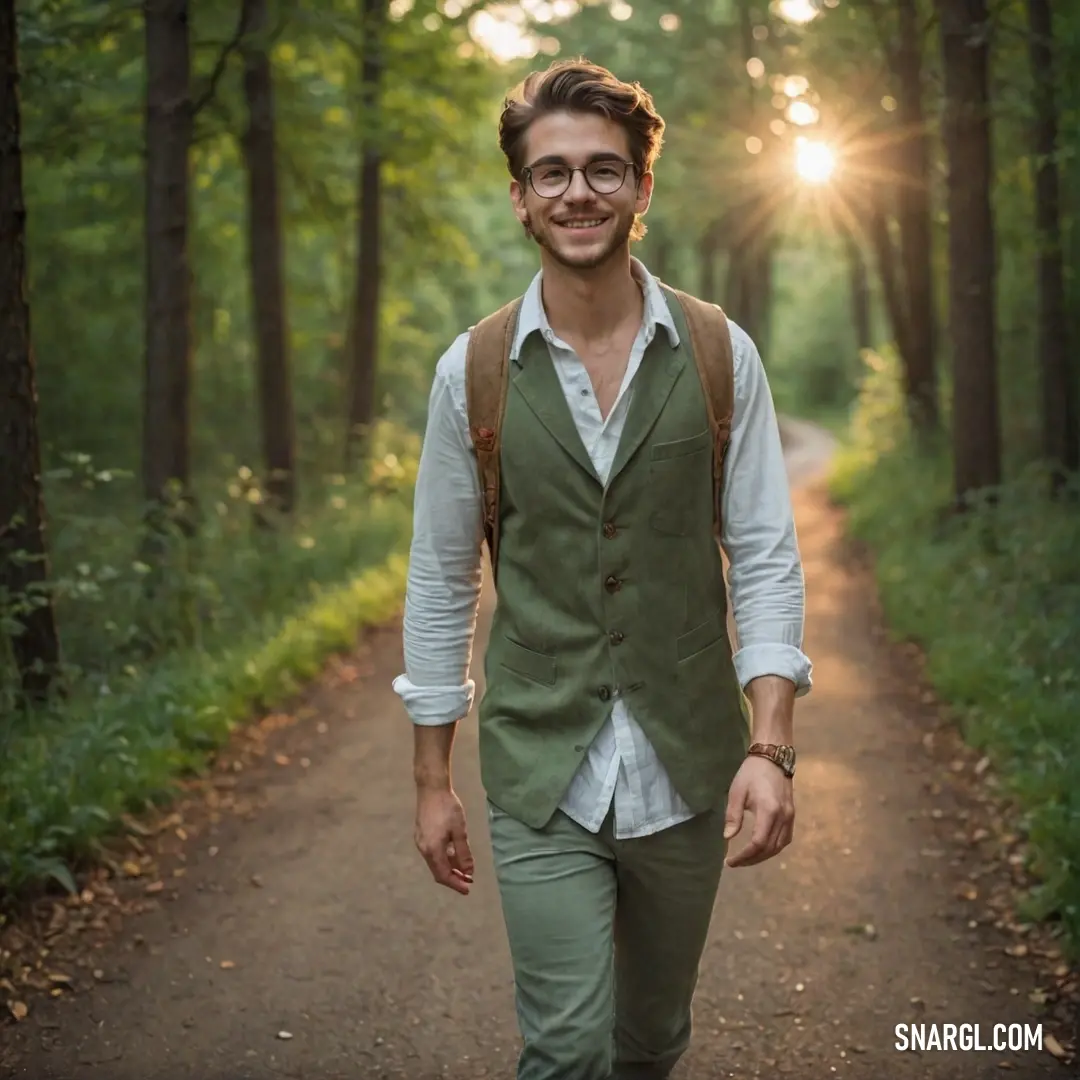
x=761 y=788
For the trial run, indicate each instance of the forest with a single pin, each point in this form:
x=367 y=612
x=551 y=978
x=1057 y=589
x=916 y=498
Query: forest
x=236 y=235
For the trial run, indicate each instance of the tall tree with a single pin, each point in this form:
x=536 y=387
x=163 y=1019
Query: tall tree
x=661 y=251
x=897 y=198
x=859 y=286
x=23 y=566
x=708 y=248
x=363 y=336
x=751 y=231
x=965 y=31
x=167 y=386
x=265 y=262
x=872 y=207
x=1060 y=426
x=913 y=220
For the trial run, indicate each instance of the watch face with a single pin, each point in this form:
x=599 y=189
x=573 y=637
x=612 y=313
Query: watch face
x=786 y=758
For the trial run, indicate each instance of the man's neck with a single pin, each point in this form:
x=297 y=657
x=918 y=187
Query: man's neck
x=590 y=305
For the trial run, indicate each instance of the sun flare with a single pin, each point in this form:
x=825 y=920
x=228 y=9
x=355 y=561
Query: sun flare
x=798 y=11
x=814 y=161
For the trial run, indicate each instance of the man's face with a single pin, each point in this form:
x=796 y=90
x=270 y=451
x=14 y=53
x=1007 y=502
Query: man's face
x=580 y=228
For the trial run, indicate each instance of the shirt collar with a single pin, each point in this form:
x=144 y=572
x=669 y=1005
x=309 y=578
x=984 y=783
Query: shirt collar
x=533 y=319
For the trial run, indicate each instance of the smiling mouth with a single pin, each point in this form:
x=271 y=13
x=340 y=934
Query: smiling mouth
x=582 y=223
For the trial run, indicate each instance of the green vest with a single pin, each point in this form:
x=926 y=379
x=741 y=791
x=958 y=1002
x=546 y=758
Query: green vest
x=606 y=591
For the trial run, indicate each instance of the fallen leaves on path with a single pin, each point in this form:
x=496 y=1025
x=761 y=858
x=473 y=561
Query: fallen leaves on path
x=143 y=866
x=1055 y=1048
x=994 y=857
x=982 y=846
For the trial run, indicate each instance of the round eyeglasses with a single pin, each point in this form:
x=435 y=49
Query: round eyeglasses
x=551 y=181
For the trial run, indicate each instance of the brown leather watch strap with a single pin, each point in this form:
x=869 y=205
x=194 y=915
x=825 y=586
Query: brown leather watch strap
x=781 y=755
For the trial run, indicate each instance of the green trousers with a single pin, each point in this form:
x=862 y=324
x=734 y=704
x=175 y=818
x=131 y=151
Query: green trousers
x=606 y=937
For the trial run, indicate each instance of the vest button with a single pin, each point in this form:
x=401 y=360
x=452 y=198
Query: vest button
x=612 y=583
x=609 y=530
x=603 y=693
x=616 y=637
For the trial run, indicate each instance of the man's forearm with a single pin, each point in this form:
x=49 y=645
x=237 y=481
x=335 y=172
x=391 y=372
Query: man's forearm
x=772 y=707
x=432 y=747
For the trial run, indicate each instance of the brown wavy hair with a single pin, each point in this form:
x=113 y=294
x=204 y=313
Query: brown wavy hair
x=582 y=87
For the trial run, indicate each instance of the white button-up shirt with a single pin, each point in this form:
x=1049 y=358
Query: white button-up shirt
x=765 y=573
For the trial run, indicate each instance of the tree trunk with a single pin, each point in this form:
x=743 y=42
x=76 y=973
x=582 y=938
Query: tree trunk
x=363 y=337
x=265 y=264
x=750 y=265
x=893 y=168
x=661 y=253
x=859 y=284
x=23 y=565
x=734 y=281
x=759 y=278
x=885 y=258
x=1061 y=436
x=167 y=389
x=742 y=285
x=748 y=289
x=913 y=218
x=708 y=250
x=1070 y=170
x=972 y=314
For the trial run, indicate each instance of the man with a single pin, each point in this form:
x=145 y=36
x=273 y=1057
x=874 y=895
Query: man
x=611 y=804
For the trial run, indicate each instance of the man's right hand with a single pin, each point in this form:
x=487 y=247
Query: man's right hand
x=442 y=839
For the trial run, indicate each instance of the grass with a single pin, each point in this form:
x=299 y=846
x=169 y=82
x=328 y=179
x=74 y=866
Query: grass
x=239 y=623
x=994 y=600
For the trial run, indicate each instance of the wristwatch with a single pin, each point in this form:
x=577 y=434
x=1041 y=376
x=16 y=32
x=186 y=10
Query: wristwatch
x=781 y=756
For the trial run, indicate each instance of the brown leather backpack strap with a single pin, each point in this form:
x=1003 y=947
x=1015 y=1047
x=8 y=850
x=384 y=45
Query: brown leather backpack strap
x=487 y=376
x=710 y=342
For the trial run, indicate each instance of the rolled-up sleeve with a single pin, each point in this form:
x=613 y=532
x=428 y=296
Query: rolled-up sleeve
x=445 y=559
x=765 y=570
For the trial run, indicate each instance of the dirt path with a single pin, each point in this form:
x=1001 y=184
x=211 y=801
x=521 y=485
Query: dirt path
x=335 y=934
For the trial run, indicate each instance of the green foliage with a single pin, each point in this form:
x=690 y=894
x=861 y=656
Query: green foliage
x=158 y=664
x=70 y=775
x=994 y=598
x=117 y=616
x=813 y=360
x=238 y=620
x=444 y=209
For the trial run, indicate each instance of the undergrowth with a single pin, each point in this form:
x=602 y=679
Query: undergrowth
x=238 y=621
x=993 y=597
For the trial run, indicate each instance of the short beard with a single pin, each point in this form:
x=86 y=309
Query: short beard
x=620 y=239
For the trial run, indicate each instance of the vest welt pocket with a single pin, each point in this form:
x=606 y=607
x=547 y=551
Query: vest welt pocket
x=539 y=667
x=700 y=638
x=704 y=677
x=664 y=451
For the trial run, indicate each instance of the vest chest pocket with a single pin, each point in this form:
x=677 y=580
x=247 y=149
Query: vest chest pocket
x=680 y=473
